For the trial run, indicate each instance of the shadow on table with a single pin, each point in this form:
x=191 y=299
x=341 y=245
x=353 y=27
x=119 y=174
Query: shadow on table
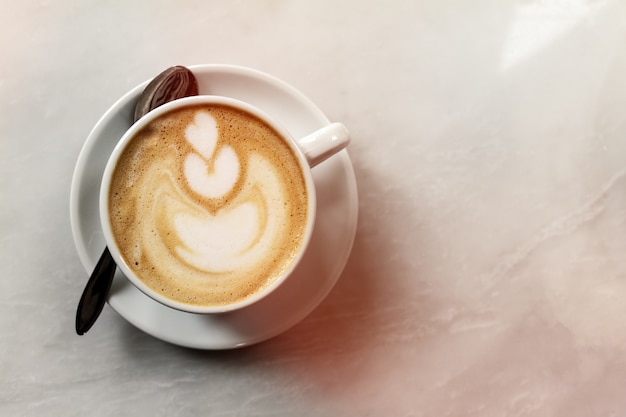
x=346 y=336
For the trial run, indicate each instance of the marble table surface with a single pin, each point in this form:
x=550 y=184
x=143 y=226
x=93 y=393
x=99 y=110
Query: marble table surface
x=488 y=272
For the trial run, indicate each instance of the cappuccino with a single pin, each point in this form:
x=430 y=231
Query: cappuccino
x=208 y=205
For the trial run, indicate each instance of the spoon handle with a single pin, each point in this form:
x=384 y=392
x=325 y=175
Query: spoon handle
x=174 y=82
x=95 y=293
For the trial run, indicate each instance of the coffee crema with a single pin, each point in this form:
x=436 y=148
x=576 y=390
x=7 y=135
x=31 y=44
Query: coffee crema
x=208 y=205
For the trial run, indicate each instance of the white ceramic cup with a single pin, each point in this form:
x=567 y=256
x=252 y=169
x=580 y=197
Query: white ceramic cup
x=309 y=151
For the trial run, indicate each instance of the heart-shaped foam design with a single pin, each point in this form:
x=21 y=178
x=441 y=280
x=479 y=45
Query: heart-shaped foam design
x=209 y=173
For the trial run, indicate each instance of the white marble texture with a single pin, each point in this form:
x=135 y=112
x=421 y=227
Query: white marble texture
x=488 y=276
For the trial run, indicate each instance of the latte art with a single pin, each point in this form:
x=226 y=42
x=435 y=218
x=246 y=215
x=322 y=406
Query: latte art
x=208 y=205
x=203 y=136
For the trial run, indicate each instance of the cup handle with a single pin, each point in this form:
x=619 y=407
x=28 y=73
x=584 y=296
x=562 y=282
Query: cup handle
x=325 y=142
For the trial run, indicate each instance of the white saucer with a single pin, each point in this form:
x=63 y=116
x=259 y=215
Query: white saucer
x=322 y=265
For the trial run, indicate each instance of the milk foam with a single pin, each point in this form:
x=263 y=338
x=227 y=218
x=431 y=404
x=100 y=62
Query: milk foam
x=239 y=237
x=215 y=181
x=211 y=206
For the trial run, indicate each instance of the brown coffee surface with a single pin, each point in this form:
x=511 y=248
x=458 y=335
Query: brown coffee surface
x=208 y=205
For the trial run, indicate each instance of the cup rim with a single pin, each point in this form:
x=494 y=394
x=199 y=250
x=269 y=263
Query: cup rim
x=104 y=202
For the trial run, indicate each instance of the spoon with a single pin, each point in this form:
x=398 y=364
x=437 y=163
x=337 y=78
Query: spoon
x=173 y=83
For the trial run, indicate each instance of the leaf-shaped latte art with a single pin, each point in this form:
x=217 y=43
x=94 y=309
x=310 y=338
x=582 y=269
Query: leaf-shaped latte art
x=217 y=213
